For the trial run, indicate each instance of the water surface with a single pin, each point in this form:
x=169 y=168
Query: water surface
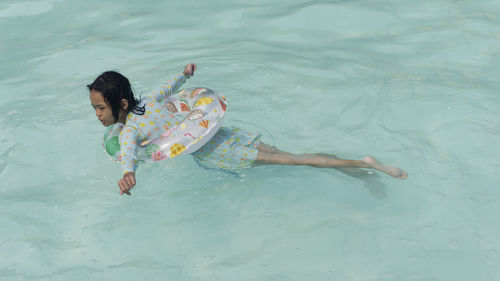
x=413 y=83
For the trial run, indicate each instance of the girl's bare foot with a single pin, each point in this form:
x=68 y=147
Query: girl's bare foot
x=390 y=170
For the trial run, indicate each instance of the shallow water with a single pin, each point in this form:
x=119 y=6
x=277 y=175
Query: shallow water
x=413 y=83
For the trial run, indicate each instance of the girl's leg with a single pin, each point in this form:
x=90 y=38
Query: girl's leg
x=353 y=172
x=270 y=155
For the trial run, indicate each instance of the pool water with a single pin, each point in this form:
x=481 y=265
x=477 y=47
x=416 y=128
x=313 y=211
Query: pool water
x=413 y=83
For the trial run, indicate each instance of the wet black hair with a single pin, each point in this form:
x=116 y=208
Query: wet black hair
x=115 y=87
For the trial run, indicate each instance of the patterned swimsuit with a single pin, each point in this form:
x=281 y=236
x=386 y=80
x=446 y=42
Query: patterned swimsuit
x=231 y=148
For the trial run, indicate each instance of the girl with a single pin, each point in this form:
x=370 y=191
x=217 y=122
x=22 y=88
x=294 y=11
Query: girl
x=230 y=148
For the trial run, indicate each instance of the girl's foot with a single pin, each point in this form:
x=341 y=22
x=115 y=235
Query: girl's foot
x=390 y=170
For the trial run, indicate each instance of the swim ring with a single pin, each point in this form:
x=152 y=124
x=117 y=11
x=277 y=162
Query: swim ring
x=200 y=112
x=111 y=143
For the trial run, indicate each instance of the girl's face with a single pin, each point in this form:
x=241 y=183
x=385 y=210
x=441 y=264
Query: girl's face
x=102 y=109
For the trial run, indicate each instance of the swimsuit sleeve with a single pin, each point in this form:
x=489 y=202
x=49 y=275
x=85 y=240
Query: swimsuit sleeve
x=169 y=87
x=129 y=139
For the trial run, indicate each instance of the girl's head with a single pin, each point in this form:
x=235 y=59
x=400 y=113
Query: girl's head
x=112 y=98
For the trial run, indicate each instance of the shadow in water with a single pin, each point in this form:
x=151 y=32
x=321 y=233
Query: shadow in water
x=371 y=180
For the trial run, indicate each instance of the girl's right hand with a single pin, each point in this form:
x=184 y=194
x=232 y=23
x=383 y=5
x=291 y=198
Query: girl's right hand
x=127 y=183
x=189 y=70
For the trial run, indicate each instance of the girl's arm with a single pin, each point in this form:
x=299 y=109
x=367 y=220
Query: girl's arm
x=129 y=159
x=171 y=86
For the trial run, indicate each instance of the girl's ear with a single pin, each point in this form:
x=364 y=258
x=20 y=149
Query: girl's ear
x=124 y=104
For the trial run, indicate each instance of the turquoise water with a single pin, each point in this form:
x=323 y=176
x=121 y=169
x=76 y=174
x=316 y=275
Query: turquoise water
x=413 y=83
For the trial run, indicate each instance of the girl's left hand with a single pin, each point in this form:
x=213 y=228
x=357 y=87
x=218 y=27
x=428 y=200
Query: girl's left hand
x=127 y=183
x=189 y=70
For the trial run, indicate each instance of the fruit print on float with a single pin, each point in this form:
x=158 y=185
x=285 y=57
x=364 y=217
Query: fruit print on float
x=176 y=149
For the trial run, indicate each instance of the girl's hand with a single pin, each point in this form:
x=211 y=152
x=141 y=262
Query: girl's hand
x=127 y=183
x=189 y=70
